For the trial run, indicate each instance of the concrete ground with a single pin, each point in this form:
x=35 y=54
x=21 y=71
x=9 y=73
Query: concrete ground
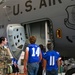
x=18 y=74
x=61 y=74
x=25 y=74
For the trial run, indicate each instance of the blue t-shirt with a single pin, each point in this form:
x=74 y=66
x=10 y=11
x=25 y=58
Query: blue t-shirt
x=51 y=58
x=43 y=53
x=34 y=52
x=14 y=61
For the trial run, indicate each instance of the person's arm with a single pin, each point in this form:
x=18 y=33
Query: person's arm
x=59 y=61
x=40 y=56
x=26 y=59
x=44 y=61
x=59 y=64
x=9 y=53
x=44 y=64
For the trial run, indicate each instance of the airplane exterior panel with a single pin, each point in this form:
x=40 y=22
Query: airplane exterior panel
x=32 y=15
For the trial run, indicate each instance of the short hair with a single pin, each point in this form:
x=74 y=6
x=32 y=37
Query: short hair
x=32 y=39
x=2 y=39
x=42 y=48
x=49 y=45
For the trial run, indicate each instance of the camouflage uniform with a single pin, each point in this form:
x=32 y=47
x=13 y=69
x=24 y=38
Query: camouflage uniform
x=4 y=59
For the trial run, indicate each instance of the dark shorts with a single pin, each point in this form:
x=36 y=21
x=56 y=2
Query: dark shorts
x=15 y=69
x=40 y=69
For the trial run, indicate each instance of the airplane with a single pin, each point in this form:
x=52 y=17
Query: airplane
x=48 y=20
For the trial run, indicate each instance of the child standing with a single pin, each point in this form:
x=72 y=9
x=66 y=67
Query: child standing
x=15 y=66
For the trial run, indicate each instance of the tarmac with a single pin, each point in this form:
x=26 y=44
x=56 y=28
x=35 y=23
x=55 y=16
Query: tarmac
x=18 y=74
x=25 y=74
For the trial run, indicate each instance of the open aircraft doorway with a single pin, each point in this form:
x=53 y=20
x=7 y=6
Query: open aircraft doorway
x=42 y=30
x=18 y=35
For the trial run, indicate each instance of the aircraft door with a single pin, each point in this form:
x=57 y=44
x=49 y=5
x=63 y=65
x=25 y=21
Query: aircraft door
x=48 y=33
x=16 y=39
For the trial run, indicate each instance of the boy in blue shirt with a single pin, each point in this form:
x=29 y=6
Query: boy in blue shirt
x=32 y=57
x=15 y=66
x=52 y=58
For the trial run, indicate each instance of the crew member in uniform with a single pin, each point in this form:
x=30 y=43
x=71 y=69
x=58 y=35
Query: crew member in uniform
x=4 y=55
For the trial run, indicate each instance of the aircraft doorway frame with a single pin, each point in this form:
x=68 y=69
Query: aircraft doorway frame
x=42 y=29
x=48 y=29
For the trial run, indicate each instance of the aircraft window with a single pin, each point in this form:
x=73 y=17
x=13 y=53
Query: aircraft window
x=21 y=38
x=18 y=40
x=15 y=43
x=14 y=37
x=20 y=46
x=17 y=36
x=16 y=29
x=20 y=33
x=59 y=33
